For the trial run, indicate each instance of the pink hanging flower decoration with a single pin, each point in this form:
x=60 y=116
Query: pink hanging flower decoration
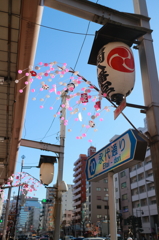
x=97 y=114
x=104 y=94
x=77 y=137
x=20 y=71
x=63 y=105
x=101 y=119
x=76 y=119
x=84 y=135
x=64 y=64
x=32 y=90
x=46 y=74
x=31 y=80
x=41 y=106
x=70 y=108
x=51 y=108
x=89 y=113
x=90 y=140
x=58 y=93
x=41 y=89
x=21 y=90
x=27 y=74
x=40 y=63
x=89 y=96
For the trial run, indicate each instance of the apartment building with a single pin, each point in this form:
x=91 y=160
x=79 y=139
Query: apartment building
x=79 y=187
x=33 y=219
x=67 y=200
x=48 y=222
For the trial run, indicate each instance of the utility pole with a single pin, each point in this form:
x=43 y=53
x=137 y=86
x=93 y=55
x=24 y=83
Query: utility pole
x=58 y=197
x=150 y=89
x=6 y=214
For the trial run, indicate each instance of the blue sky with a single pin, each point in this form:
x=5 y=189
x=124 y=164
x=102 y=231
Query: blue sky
x=64 y=48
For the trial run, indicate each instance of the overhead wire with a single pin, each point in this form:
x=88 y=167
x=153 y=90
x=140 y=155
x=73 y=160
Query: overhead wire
x=44 y=26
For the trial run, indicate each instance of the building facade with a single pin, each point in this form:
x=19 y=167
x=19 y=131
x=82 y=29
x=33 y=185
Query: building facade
x=79 y=187
x=137 y=197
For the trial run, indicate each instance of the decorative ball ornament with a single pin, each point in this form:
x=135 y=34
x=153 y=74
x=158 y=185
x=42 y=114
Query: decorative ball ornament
x=116 y=70
x=91 y=124
x=37 y=68
x=16 y=81
x=45 y=86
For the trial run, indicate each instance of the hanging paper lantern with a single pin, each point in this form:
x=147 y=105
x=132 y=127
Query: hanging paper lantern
x=116 y=70
x=46 y=173
x=97 y=105
x=84 y=98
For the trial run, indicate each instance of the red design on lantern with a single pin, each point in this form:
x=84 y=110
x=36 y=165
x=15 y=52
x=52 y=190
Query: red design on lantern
x=33 y=73
x=121 y=59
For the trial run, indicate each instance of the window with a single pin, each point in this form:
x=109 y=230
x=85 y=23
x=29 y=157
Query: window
x=123 y=185
x=116 y=179
x=145 y=219
x=122 y=174
x=105 y=180
x=89 y=198
x=99 y=198
x=143 y=202
x=106 y=207
x=124 y=196
x=89 y=189
x=99 y=216
x=98 y=189
x=105 y=189
x=140 y=176
x=116 y=189
x=89 y=207
x=99 y=207
x=125 y=209
x=153 y=202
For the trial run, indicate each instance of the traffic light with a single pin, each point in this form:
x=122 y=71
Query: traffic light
x=1 y=220
x=46 y=201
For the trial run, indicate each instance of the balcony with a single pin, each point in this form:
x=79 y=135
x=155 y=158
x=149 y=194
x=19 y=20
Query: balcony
x=77 y=178
x=151 y=193
x=134 y=185
x=77 y=166
x=76 y=197
x=76 y=203
x=77 y=217
x=148 y=166
x=76 y=190
x=76 y=184
x=78 y=171
x=77 y=210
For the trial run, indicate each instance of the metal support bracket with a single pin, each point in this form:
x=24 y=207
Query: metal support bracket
x=42 y=146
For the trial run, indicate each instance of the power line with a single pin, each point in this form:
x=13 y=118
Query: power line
x=82 y=45
x=50 y=126
x=56 y=29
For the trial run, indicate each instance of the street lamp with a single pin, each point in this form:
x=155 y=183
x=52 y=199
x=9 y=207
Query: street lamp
x=46 y=165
